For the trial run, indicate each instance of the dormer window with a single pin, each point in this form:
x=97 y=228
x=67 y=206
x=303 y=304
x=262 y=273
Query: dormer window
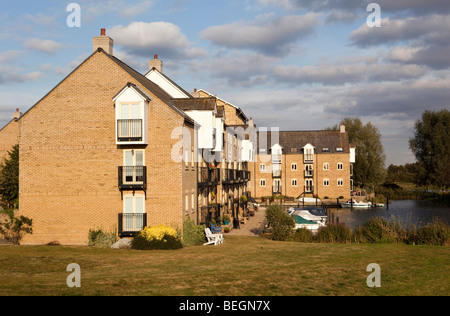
x=276 y=154
x=129 y=124
x=308 y=153
x=131 y=116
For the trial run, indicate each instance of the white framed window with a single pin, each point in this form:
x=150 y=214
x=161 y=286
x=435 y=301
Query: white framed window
x=326 y=166
x=340 y=166
x=133 y=210
x=262 y=182
x=339 y=149
x=133 y=166
x=186 y=157
x=326 y=182
x=294 y=166
x=133 y=157
x=309 y=185
x=262 y=167
x=340 y=182
x=192 y=201
x=186 y=202
x=294 y=182
x=309 y=170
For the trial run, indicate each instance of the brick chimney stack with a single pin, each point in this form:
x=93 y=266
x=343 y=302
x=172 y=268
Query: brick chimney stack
x=104 y=42
x=16 y=115
x=156 y=63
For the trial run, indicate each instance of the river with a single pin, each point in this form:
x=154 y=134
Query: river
x=407 y=212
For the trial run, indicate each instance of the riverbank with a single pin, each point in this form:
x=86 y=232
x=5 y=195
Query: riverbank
x=241 y=266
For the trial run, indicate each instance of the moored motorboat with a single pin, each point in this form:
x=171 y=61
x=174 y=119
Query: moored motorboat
x=309 y=219
x=353 y=203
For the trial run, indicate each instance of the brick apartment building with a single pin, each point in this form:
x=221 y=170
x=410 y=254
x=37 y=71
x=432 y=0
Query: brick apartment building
x=303 y=163
x=111 y=148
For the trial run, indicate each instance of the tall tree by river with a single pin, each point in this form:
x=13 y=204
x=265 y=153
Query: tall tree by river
x=368 y=169
x=431 y=146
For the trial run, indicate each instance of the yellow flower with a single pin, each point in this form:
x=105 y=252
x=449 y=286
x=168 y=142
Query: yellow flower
x=158 y=232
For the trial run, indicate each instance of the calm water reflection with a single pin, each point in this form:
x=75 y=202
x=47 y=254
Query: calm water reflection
x=408 y=212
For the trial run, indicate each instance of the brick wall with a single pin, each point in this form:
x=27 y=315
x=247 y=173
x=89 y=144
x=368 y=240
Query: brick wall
x=9 y=136
x=288 y=173
x=69 y=160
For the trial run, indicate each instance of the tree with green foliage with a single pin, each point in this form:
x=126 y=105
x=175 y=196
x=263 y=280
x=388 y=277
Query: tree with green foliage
x=13 y=228
x=402 y=173
x=431 y=147
x=9 y=179
x=368 y=169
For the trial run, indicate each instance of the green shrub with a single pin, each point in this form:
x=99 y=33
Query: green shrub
x=334 y=233
x=99 y=238
x=380 y=230
x=434 y=233
x=280 y=222
x=193 y=234
x=14 y=228
x=302 y=235
x=157 y=237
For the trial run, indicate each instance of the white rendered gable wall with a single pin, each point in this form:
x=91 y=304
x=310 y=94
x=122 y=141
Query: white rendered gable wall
x=165 y=84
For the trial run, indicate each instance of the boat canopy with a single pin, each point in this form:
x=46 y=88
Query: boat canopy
x=301 y=220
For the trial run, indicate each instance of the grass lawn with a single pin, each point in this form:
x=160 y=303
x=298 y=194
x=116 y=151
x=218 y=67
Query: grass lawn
x=244 y=266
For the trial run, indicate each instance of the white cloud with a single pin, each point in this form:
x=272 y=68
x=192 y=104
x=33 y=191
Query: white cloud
x=40 y=19
x=273 y=36
x=162 y=38
x=343 y=73
x=12 y=75
x=46 y=46
x=432 y=28
x=9 y=55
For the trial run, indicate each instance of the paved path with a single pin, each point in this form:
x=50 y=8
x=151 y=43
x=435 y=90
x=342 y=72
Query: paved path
x=253 y=227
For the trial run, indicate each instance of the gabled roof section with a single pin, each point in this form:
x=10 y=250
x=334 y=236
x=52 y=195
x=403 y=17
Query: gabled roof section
x=136 y=89
x=149 y=85
x=169 y=81
x=239 y=110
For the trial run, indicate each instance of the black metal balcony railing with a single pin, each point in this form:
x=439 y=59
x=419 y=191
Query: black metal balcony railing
x=129 y=130
x=309 y=173
x=276 y=158
x=208 y=176
x=236 y=176
x=132 y=177
x=308 y=157
x=309 y=189
x=130 y=224
x=276 y=189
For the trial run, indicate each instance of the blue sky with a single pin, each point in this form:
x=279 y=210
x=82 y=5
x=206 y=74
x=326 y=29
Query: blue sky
x=295 y=64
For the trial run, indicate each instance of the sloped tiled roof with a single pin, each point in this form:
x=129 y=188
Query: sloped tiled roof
x=148 y=84
x=195 y=104
x=293 y=141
